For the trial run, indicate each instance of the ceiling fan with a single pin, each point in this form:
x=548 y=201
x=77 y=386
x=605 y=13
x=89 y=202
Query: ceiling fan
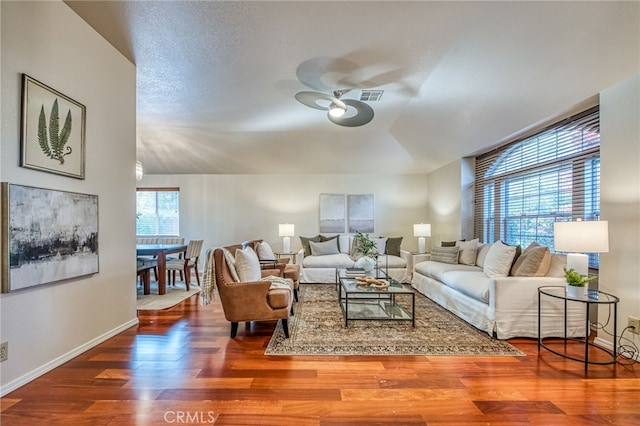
x=343 y=112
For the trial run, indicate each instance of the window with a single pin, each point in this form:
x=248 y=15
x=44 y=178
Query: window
x=554 y=175
x=158 y=211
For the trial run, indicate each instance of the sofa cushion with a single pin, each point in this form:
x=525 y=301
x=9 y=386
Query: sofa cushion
x=248 y=265
x=264 y=251
x=471 y=283
x=483 y=249
x=445 y=254
x=393 y=246
x=324 y=248
x=336 y=237
x=435 y=270
x=499 y=259
x=344 y=243
x=340 y=260
x=381 y=245
x=468 y=251
x=533 y=262
x=558 y=263
x=394 y=261
x=304 y=241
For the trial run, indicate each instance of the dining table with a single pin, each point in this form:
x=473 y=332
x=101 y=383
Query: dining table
x=160 y=251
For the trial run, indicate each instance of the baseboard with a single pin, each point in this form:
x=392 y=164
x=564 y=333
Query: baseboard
x=606 y=344
x=33 y=374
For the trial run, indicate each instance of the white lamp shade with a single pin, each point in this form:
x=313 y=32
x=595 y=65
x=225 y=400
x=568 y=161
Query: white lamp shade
x=581 y=236
x=286 y=230
x=422 y=230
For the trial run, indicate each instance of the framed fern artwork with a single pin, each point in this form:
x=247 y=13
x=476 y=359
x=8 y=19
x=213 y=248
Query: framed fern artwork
x=53 y=130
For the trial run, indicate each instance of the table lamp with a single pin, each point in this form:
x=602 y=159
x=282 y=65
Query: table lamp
x=421 y=230
x=286 y=230
x=579 y=237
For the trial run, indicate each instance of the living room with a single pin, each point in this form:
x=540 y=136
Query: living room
x=48 y=325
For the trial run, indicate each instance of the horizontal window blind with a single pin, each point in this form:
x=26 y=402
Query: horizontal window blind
x=523 y=187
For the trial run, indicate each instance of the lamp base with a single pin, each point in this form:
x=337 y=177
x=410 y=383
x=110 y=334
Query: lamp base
x=578 y=262
x=286 y=244
x=421 y=245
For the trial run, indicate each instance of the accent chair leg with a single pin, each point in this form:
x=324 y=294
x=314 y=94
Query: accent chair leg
x=291 y=309
x=285 y=327
x=234 y=329
x=295 y=294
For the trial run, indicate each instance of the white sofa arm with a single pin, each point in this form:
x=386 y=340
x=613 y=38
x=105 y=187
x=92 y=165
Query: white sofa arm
x=300 y=258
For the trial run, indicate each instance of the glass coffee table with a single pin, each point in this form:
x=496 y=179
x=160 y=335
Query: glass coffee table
x=365 y=302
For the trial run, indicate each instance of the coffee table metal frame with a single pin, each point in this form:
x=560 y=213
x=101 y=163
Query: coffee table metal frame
x=382 y=303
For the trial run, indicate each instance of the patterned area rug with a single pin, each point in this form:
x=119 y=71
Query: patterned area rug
x=173 y=296
x=317 y=328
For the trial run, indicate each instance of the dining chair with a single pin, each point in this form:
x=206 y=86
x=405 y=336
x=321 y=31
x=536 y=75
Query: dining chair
x=148 y=240
x=184 y=265
x=172 y=240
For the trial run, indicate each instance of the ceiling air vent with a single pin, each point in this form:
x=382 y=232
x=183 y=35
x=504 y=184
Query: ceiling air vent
x=371 y=95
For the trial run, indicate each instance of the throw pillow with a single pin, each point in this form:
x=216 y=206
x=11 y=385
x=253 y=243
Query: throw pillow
x=231 y=263
x=499 y=259
x=534 y=261
x=448 y=244
x=483 y=249
x=381 y=245
x=468 y=251
x=336 y=237
x=393 y=246
x=248 y=265
x=264 y=251
x=324 y=248
x=445 y=254
x=305 y=243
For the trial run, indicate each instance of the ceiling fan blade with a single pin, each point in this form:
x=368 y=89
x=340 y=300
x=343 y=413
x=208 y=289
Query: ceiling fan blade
x=311 y=99
x=364 y=114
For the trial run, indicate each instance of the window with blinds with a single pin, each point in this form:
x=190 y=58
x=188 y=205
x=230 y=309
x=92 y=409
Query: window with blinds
x=158 y=211
x=522 y=188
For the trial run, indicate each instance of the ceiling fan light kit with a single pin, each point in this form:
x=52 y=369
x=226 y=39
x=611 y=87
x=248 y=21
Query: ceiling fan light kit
x=343 y=112
x=336 y=110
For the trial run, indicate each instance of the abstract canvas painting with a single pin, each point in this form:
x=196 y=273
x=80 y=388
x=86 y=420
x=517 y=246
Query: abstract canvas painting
x=47 y=236
x=361 y=210
x=332 y=213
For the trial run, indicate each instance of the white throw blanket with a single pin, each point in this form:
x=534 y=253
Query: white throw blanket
x=208 y=279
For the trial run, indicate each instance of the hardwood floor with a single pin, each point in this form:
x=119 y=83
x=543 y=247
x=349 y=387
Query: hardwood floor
x=179 y=366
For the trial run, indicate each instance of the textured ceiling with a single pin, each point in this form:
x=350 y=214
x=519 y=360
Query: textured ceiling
x=216 y=80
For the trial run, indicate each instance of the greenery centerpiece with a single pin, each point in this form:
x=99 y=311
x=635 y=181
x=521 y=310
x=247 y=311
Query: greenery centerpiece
x=368 y=251
x=577 y=283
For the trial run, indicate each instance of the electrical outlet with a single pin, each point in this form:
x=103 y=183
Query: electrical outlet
x=634 y=325
x=4 y=351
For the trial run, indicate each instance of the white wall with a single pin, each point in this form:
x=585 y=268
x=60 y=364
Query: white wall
x=444 y=204
x=228 y=209
x=620 y=199
x=49 y=324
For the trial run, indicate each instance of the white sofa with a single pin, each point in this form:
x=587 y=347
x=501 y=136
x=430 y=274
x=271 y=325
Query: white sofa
x=504 y=307
x=322 y=269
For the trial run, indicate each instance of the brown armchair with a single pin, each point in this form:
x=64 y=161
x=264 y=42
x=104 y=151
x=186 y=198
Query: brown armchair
x=251 y=301
x=290 y=271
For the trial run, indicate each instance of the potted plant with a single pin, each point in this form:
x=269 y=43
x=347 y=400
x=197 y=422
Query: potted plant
x=577 y=284
x=369 y=250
